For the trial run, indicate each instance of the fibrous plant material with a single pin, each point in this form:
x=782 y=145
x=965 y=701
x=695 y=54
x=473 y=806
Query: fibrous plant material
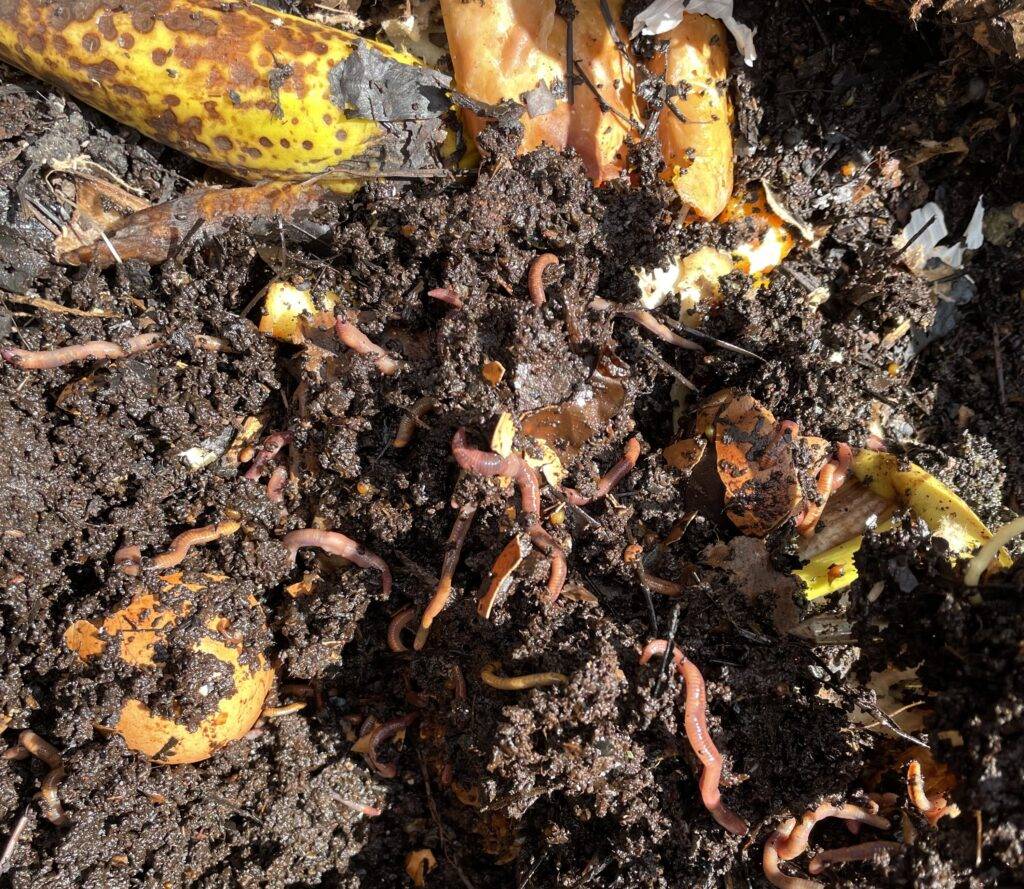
x=157 y=233
x=257 y=93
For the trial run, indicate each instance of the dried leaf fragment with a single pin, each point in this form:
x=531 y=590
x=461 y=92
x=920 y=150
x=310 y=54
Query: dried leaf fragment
x=418 y=864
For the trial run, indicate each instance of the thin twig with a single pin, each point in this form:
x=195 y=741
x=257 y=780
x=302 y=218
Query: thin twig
x=7 y=855
x=915 y=237
x=1000 y=379
x=652 y=353
x=601 y=103
x=652 y=615
x=694 y=333
x=666 y=658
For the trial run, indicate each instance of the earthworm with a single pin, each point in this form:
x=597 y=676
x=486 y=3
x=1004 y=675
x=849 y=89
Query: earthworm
x=490 y=465
x=128 y=559
x=770 y=861
x=527 y=478
x=795 y=843
x=269 y=448
x=695 y=720
x=186 y=540
x=362 y=808
x=984 y=556
x=932 y=809
x=212 y=343
x=446 y=295
x=610 y=479
x=283 y=710
x=458 y=683
x=660 y=585
x=535 y=278
x=860 y=852
x=412 y=419
x=275 y=485
x=830 y=479
x=646 y=320
x=383 y=732
x=559 y=567
x=45 y=751
x=339 y=545
x=91 y=351
x=520 y=683
x=915 y=787
x=452 y=554
x=359 y=342
x=398 y=623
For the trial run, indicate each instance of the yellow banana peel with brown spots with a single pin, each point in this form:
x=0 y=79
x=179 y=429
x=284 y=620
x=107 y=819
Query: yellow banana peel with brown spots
x=905 y=486
x=266 y=96
x=259 y=94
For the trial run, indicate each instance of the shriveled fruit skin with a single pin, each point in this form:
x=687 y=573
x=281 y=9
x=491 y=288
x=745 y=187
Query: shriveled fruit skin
x=141 y=631
x=504 y=49
x=253 y=92
x=698 y=153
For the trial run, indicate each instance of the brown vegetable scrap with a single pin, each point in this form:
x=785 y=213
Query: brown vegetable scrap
x=156 y=233
x=762 y=464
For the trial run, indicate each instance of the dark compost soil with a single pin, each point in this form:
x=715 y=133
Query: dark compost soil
x=588 y=783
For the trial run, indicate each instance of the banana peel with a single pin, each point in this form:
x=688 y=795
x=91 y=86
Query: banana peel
x=516 y=50
x=696 y=128
x=259 y=94
x=906 y=486
x=764 y=242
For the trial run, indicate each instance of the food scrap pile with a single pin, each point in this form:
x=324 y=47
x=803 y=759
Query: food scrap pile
x=576 y=460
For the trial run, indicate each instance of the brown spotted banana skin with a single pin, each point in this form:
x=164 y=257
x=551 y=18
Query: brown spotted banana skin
x=258 y=94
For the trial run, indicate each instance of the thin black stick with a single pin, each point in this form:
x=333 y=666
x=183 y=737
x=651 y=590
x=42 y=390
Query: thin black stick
x=917 y=235
x=666 y=658
x=695 y=334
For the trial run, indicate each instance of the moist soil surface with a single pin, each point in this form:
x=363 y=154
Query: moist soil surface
x=852 y=115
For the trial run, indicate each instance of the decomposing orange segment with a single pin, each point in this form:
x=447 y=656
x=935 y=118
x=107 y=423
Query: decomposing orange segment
x=696 y=132
x=140 y=629
x=516 y=49
x=758 y=460
x=755 y=466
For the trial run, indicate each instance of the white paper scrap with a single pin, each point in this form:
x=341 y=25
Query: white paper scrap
x=664 y=15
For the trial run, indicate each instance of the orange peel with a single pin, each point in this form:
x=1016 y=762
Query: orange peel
x=141 y=629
